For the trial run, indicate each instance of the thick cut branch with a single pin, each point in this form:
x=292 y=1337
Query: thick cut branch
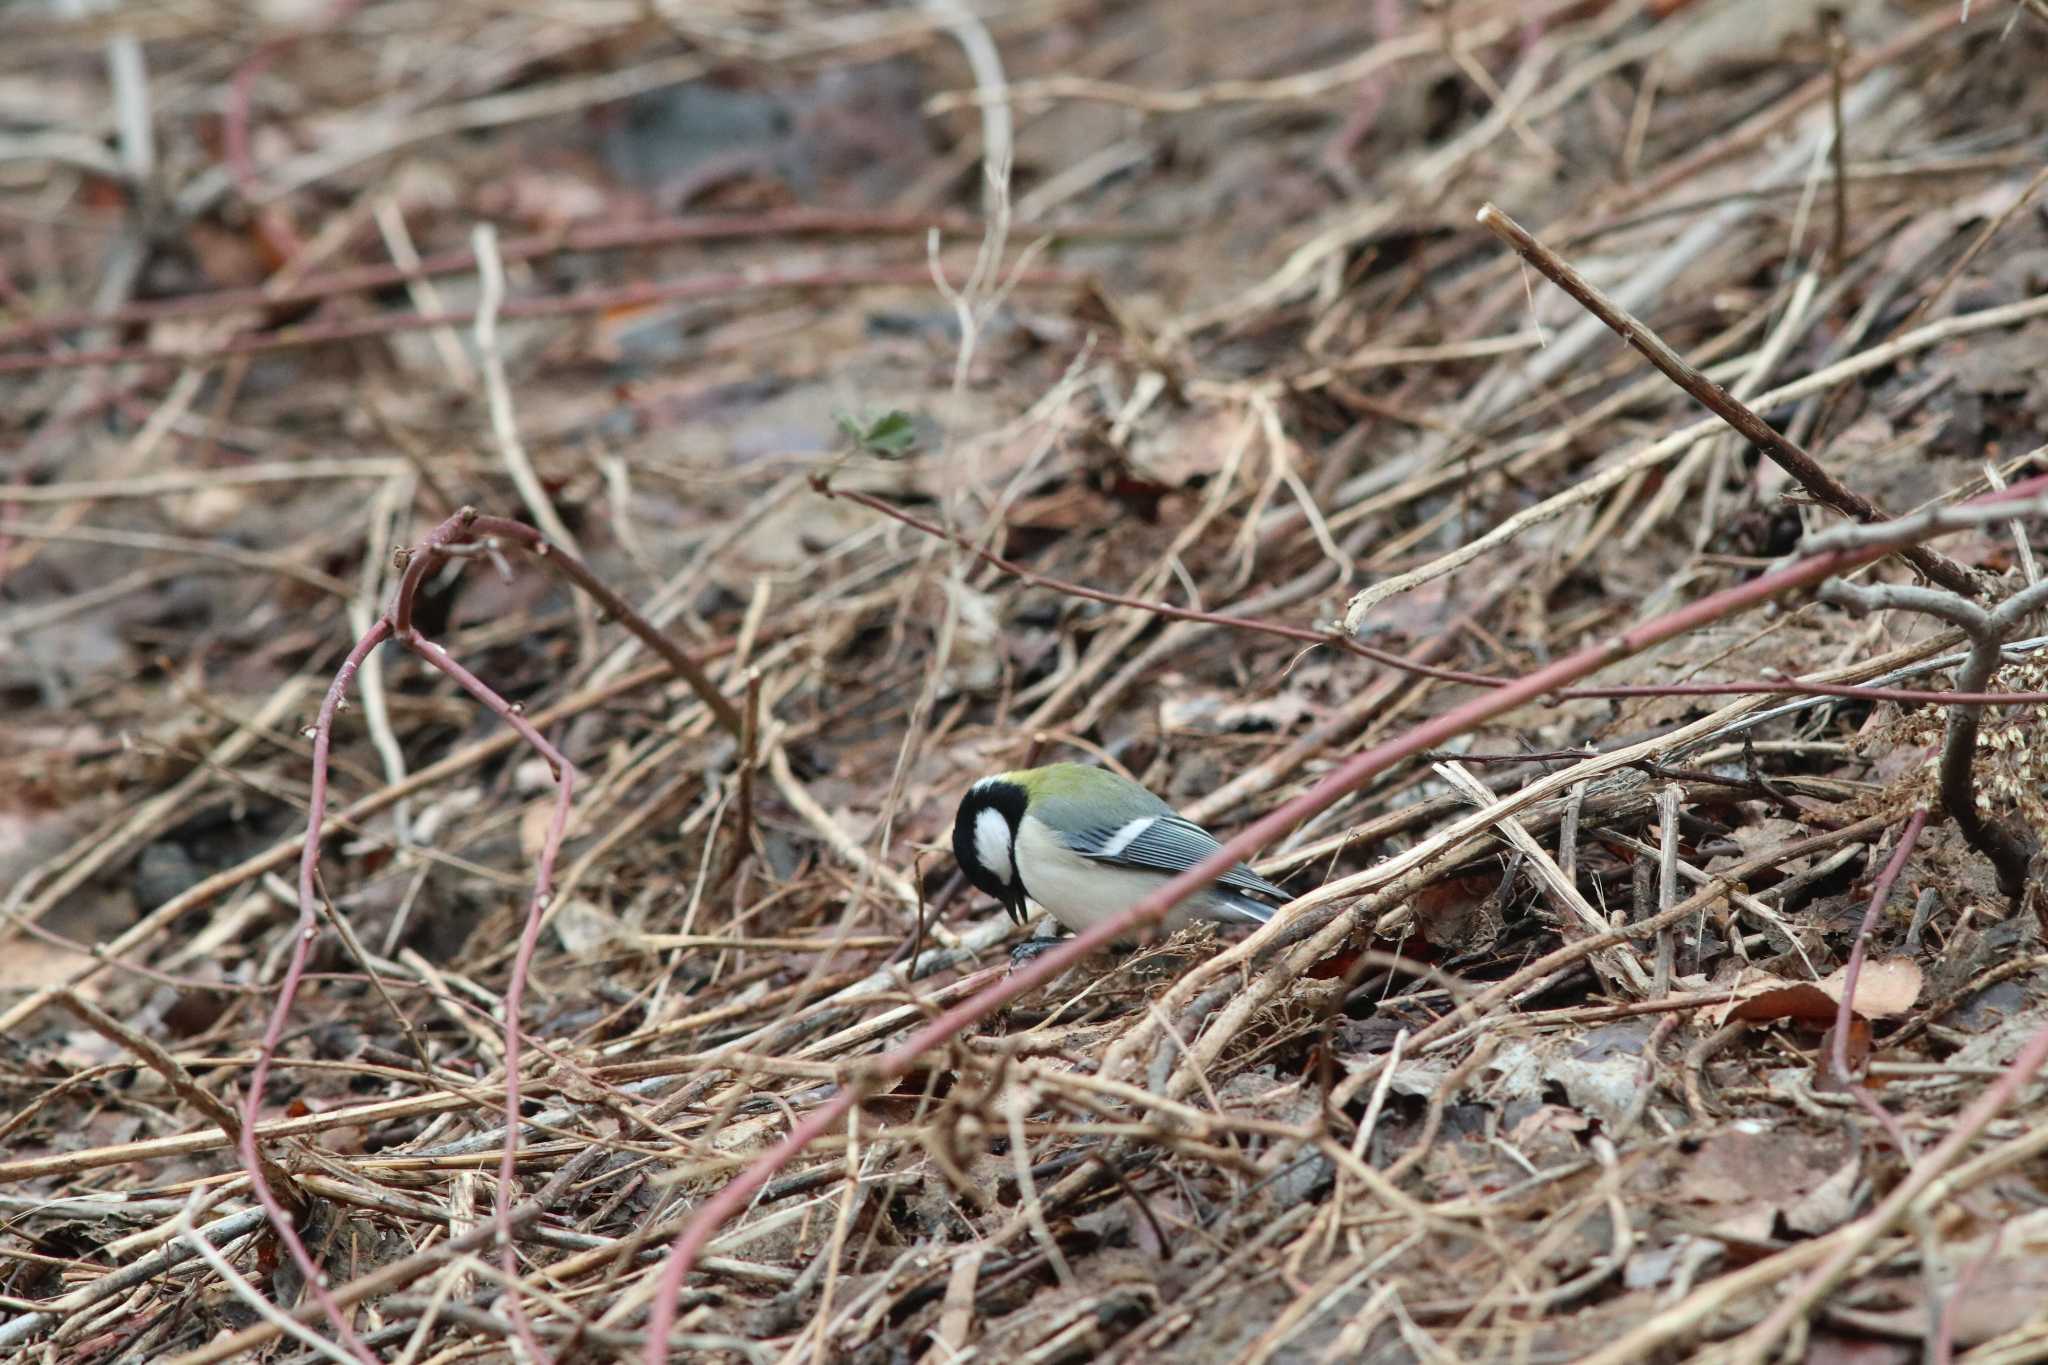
x=2008 y=849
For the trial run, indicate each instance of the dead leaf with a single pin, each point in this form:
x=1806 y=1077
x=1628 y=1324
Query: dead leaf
x=1830 y=1348
x=1752 y=1164
x=586 y=929
x=1604 y=1086
x=542 y=198
x=1831 y=1203
x=1885 y=987
x=1218 y=713
x=534 y=823
x=1855 y=1053
x=1459 y=914
x=2000 y=1296
x=2001 y=365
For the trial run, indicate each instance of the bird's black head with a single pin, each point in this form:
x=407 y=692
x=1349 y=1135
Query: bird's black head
x=985 y=840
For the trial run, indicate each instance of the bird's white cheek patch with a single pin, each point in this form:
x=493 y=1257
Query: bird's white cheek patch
x=992 y=845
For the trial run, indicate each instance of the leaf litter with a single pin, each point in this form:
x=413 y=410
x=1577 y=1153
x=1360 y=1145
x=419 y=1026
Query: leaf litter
x=1244 y=351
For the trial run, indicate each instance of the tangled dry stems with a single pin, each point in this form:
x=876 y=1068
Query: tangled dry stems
x=1311 y=1139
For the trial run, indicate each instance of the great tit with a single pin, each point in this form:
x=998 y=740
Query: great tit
x=1086 y=844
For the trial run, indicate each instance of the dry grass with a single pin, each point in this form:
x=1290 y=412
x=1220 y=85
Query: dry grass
x=1188 y=306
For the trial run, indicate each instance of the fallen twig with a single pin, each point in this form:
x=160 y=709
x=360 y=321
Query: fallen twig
x=1752 y=428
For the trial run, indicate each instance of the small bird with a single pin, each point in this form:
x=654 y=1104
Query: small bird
x=1086 y=844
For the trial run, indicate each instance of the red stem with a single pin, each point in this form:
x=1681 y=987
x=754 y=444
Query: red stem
x=1306 y=635
x=536 y=246
x=1878 y=896
x=303 y=935
x=515 y=987
x=586 y=301
x=396 y=623
x=1844 y=1011
x=1353 y=773
x=1959 y=1294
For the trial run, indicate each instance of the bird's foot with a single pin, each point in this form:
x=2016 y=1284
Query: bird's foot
x=1030 y=949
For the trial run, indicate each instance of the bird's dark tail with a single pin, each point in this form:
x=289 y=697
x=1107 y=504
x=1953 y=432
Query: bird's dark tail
x=1232 y=907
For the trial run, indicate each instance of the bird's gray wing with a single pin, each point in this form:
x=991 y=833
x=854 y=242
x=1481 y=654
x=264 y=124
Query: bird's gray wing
x=1169 y=844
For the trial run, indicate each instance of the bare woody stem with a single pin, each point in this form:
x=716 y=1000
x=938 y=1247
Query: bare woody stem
x=596 y=236
x=271 y=1184
x=259 y=1167
x=1785 y=453
x=515 y=988
x=1756 y=1345
x=586 y=301
x=2008 y=850
x=467 y=526
x=1839 y=1054
x=1838 y=151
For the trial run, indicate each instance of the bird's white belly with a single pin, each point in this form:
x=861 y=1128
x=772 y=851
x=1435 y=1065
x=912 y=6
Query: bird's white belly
x=1080 y=892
